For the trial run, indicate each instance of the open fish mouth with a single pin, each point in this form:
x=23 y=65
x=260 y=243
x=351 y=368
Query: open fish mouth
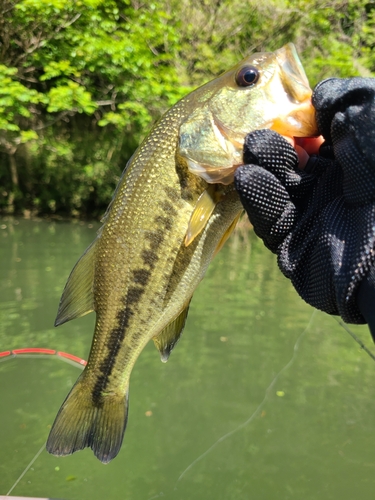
x=300 y=120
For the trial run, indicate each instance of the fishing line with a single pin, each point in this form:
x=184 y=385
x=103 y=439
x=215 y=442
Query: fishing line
x=258 y=409
x=38 y=352
x=80 y=363
x=354 y=336
x=26 y=469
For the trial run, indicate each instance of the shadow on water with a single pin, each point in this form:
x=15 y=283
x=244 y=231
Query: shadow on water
x=263 y=398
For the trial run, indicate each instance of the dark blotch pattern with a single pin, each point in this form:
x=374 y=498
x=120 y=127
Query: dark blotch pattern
x=166 y=222
x=117 y=335
x=114 y=343
x=168 y=208
x=155 y=238
x=134 y=294
x=141 y=278
x=172 y=194
x=149 y=258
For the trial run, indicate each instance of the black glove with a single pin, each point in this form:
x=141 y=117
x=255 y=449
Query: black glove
x=321 y=221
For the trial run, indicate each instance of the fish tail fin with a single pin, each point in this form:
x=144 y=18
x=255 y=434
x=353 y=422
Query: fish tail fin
x=81 y=423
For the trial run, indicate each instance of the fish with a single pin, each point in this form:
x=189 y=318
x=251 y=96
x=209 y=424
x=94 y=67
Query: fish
x=174 y=207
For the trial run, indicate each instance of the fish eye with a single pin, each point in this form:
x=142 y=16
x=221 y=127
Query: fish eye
x=247 y=76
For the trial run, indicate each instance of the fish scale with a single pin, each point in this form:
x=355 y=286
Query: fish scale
x=173 y=209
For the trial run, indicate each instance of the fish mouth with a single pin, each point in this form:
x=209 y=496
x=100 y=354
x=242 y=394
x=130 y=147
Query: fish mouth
x=300 y=120
x=293 y=74
x=287 y=93
x=299 y=117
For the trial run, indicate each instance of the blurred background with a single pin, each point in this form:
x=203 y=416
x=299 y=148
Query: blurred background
x=82 y=82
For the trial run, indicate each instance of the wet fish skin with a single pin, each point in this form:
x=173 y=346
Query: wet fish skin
x=141 y=271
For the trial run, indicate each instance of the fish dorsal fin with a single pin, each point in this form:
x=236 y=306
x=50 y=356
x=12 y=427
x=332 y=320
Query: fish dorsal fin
x=202 y=212
x=78 y=298
x=168 y=338
x=227 y=233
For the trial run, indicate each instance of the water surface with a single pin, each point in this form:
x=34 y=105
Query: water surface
x=263 y=397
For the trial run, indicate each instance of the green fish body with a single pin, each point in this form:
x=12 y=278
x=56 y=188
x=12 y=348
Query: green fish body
x=174 y=207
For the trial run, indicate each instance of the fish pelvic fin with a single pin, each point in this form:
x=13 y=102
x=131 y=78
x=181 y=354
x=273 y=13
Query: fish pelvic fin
x=82 y=424
x=202 y=212
x=168 y=338
x=227 y=233
x=78 y=297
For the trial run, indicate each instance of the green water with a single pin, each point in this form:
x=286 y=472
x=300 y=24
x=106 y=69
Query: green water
x=263 y=398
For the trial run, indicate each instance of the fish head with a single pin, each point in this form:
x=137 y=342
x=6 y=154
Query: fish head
x=265 y=90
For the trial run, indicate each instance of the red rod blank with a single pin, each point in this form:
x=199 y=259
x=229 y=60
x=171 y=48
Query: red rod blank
x=41 y=350
x=33 y=350
x=73 y=358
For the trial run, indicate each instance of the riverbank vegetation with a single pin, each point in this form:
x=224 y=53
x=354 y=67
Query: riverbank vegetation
x=82 y=81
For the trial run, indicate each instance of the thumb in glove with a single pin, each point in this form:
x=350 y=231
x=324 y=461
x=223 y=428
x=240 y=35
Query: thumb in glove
x=345 y=109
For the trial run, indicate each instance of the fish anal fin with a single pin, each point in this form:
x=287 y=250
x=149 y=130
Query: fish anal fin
x=168 y=338
x=227 y=233
x=81 y=424
x=77 y=298
x=202 y=212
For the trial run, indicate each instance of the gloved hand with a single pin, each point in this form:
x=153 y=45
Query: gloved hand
x=321 y=221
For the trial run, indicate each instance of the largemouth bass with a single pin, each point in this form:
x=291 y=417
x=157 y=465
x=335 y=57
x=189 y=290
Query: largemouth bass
x=172 y=210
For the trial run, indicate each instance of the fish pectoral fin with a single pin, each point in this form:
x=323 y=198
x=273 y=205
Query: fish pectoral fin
x=78 y=297
x=227 y=233
x=168 y=338
x=202 y=212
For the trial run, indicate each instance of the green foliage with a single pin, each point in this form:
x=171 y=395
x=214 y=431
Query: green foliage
x=101 y=54
x=81 y=82
x=332 y=38
x=109 y=61
x=70 y=97
x=15 y=101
